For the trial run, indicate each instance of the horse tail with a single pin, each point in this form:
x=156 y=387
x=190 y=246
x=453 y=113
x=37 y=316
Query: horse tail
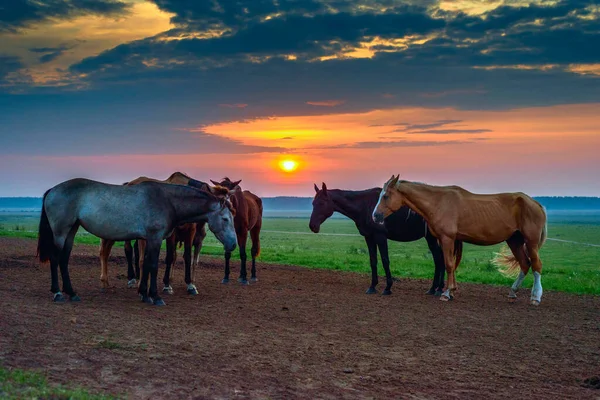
x=46 y=246
x=506 y=261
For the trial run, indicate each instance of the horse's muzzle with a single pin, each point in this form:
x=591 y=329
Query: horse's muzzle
x=314 y=227
x=378 y=217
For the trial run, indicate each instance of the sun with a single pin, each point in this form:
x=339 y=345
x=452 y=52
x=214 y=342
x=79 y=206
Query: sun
x=288 y=165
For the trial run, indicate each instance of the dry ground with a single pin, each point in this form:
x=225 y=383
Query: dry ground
x=297 y=333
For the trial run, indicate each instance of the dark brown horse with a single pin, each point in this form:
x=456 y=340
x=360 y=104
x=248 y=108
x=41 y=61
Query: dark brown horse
x=401 y=226
x=248 y=218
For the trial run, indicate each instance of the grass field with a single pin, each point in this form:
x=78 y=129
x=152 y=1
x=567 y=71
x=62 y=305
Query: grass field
x=568 y=267
x=19 y=384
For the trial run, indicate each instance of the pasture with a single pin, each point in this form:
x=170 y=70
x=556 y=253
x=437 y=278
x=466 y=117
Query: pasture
x=303 y=332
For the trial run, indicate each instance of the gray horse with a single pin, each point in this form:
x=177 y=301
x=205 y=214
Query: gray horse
x=148 y=211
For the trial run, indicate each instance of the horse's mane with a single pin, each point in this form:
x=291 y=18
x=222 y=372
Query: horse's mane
x=174 y=174
x=219 y=190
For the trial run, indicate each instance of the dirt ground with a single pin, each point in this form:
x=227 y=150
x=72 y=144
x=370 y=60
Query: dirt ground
x=297 y=333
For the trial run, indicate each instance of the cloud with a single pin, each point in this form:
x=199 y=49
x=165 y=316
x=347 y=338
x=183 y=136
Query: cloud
x=326 y=103
x=8 y=64
x=398 y=143
x=50 y=53
x=236 y=105
x=412 y=127
x=17 y=14
x=450 y=131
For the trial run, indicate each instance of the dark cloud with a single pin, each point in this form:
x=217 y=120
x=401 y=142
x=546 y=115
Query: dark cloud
x=412 y=127
x=8 y=64
x=16 y=14
x=50 y=53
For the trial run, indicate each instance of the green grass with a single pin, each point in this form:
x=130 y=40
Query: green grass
x=567 y=267
x=20 y=384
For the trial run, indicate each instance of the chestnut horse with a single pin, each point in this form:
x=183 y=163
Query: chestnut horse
x=455 y=215
x=248 y=218
x=186 y=233
x=402 y=226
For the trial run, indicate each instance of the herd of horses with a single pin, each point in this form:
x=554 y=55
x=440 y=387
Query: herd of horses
x=177 y=210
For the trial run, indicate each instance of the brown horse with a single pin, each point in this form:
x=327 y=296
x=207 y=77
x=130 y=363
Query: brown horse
x=186 y=233
x=455 y=215
x=248 y=218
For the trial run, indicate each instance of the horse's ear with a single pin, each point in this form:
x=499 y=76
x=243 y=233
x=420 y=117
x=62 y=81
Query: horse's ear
x=324 y=187
x=234 y=184
x=215 y=183
x=316 y=188
x=394 y=180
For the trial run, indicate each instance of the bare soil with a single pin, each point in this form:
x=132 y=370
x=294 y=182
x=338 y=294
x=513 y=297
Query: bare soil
x=297 y=333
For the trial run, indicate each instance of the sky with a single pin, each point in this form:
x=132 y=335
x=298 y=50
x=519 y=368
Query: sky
x=491 y=95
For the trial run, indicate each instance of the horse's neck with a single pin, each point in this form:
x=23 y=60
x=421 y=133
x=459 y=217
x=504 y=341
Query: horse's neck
x=190 y=205
x=343 y=203
x=422 y=199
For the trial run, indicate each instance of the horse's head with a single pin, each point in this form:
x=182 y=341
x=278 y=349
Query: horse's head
x=322 y=208
x=220 y=222
x=390 y=200
x=228 y=183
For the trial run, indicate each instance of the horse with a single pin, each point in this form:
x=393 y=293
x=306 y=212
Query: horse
x=248 y=218
x=401 y=226
x=185 y=232
x=148 y=211
x=455 y=215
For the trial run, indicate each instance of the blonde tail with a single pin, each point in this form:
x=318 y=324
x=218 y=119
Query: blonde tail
x=506 y=262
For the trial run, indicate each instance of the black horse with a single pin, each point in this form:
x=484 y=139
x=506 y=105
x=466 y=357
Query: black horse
x=402 y=226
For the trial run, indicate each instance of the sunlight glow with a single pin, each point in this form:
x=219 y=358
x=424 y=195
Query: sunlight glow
x=288 y=165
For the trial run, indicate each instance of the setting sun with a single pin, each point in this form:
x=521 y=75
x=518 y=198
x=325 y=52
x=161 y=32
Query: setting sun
x=288 y=165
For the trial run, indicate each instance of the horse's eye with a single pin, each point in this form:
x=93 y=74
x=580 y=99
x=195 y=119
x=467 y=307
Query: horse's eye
x=225 y=219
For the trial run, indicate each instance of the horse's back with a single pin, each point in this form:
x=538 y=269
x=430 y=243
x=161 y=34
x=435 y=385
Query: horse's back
x=255 y=208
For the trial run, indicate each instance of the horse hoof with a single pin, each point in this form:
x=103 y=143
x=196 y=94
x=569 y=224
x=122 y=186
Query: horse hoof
x=254 y=279
x=371 y=291
x=438 y=293
x=146 y=299
x=131 y=284
x=168 y=290
x=535 y=303
x=159 y=302
x=58 y=298
x=243 y=281
x=386 y=292
x=192 y=291
x=444 y=297
x=430 y=292
x=75 y=298
x=225 y=281
x=512 y=299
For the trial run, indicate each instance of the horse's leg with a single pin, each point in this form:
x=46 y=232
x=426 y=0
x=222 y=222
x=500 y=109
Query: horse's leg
x=198 y=239
x=536 y=266
x=142 y=255
x=255 y=250
x=64 y=264
x=385 y=261
x=187 y=260
x=449 y=259
x=169 y=260
x=55 y=288
x=372 y=246
x=437 y=285
x=143 y=282
x=151 y=265
x=105 y=247
x=517 y=246
x=242 y=239
x=136 y=254
x=227 y=259
x=131 y=281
